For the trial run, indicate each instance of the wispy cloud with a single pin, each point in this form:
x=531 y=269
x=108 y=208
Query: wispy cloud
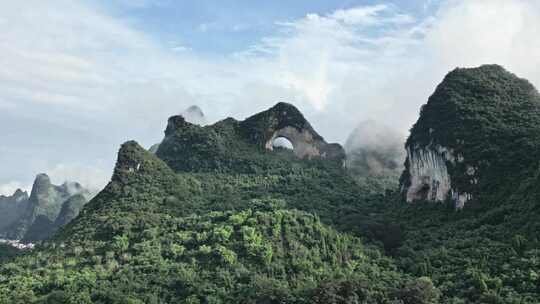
x=316 y=55
x=92 y=178
x=9 y=188
x=71 y=64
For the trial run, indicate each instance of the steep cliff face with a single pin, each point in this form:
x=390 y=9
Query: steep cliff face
x=429 y=178
x=12 y=207
x=477 y=134
x=46 y=199
x=285 y=120
x=36 y=220
x=70 y=210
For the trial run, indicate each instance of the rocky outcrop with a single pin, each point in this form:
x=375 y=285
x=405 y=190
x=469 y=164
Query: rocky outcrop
x=12 y=207
x=304 y=144
x=427 y=170
x=133 y=159
x=36 y=220
x=429 y=179
x=239 y=146
x=285 y=120
x=70 y=210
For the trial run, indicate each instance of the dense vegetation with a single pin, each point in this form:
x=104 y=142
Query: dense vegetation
x=488 y=252
x=231 y=146
x=253 y=256
x=490 y=119
x=215 y=218
x=148 y=245
x=7 y=252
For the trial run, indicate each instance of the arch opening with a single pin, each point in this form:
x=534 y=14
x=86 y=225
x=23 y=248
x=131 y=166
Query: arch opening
x=282 y=143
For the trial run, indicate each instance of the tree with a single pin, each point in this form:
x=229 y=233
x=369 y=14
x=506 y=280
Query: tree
x=419 y=291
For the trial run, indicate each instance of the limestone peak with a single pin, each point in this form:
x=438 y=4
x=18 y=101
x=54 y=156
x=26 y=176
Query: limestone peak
x=226 y=143
x=478 y=123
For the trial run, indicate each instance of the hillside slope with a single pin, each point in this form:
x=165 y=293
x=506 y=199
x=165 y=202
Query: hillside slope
x=474 y=147
x=184 y=227
x=486 y=250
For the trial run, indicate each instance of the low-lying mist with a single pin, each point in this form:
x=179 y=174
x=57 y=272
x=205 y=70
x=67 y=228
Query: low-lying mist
x=375 y=150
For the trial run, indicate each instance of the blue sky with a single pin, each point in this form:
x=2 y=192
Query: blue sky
x=78 y=78
x=220 y=27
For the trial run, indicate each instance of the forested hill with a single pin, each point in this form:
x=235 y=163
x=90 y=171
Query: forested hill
x=475 y=148
x=216 y=216
x=219 y=214
x=481 y=131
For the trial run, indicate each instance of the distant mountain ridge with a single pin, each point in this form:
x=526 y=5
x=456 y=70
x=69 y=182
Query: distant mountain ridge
x=12 y=207
x=39 y=215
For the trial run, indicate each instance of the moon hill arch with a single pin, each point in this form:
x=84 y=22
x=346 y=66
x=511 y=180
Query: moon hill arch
x=228 y=143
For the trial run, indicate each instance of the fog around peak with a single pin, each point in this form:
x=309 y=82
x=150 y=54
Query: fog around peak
x=374 y=149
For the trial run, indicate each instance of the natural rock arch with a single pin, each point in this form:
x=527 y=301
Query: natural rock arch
x=302 y=141
x=285 y=120
x=227 y=144
x=282 y=143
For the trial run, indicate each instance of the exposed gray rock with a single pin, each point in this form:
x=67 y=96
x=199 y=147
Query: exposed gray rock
x=429 y=178
x=12 y=207
x=285 y=120
x=70 y=210
x=36 y=220
x=304 y=145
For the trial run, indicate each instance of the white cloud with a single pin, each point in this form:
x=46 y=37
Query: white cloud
x=369 y=16
x=9 y=188
x=180 y=48
x=427 y=5
x=359 y=15
x=376 y=62
x=340 y=62
x=495 y=31
x=71 y=63
x=92 y=178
